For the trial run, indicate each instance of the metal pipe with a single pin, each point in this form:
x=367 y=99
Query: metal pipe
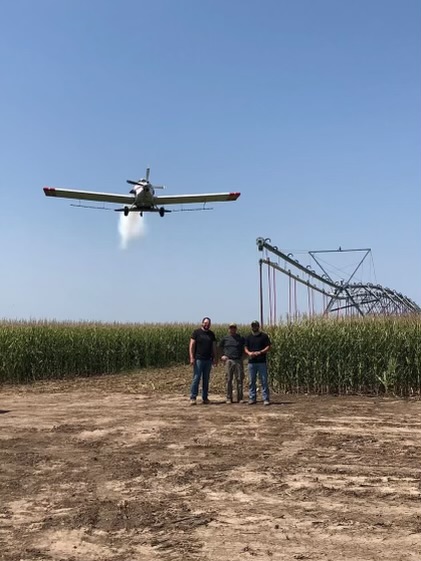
x=261 y=291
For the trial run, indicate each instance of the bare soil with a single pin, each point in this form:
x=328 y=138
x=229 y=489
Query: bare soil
x=120 y=468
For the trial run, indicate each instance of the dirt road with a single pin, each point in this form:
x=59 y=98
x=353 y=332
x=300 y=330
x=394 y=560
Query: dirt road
x=111 y=470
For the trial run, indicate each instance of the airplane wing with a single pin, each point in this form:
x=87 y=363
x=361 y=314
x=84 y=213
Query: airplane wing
x=202 y=198
x=89 y=196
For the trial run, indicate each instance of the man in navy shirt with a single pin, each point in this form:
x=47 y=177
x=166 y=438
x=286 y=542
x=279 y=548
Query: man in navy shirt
x=202 y=350
x=257 y=345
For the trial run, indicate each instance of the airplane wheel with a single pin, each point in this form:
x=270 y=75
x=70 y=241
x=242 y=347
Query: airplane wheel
x=126 y=211
x=161 y=212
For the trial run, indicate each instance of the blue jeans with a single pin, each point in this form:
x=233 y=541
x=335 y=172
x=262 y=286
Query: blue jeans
x=201 y=369
x=261 y=368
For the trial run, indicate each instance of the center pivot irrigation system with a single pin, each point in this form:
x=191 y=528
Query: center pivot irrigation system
x=322 y=294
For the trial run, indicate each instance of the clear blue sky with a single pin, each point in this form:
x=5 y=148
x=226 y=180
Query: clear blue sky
x=310 y=108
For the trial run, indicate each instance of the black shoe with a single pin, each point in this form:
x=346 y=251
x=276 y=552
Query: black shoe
x=206 y=402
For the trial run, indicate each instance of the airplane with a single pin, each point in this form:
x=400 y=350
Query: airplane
x=142 y=197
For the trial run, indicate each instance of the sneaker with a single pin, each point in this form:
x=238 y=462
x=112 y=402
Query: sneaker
x=252 y=402
x=206 y=402
x=192 y=402
x=228 y=401
x=266 y=402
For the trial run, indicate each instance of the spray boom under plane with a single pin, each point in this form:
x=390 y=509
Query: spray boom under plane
x=142 y=197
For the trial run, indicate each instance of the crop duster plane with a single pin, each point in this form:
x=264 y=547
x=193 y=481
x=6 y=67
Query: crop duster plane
x=142 y=197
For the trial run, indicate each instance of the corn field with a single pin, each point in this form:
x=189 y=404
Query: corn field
x=32 y=351
x=341 y=356
x=369 y=355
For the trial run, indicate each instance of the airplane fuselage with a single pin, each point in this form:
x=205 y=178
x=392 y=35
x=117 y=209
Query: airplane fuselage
x=144 y=196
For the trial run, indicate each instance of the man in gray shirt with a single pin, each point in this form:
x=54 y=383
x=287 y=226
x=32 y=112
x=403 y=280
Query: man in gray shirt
x=232 y=349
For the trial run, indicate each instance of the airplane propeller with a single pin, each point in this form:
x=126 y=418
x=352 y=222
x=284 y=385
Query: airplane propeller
x=141 y=181
x=131 y=182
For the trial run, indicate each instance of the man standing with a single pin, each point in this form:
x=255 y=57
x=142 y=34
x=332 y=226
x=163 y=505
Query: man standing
x=202 y=350
x=232 y=349
x=257 y=345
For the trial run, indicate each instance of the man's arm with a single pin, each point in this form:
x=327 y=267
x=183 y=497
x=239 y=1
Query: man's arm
x=247 y=351
x=221 y=346
x=215 y=353
x=192 y=347
x=221 y=349
x=263 y=351
x=266 y=348
x=243 y=348
x=257 y=353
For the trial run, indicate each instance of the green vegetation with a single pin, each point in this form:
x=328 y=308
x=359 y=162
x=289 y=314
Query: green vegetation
x=361 y=355
x=32 y=351
x=370 y=355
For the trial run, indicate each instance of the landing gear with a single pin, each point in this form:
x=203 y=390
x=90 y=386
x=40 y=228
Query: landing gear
x=161 y=212
x=126 y=211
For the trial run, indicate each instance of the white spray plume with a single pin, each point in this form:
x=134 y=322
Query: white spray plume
x=130 y=227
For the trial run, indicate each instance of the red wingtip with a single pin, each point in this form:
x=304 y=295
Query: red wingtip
x=50 y=191
x=234 y=196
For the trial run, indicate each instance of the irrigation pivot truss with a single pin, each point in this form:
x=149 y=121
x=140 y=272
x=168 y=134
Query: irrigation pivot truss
x=340 y=297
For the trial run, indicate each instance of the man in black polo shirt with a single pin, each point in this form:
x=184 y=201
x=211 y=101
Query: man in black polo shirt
x=202 y=351
x=232 y=349
x=256 y=347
